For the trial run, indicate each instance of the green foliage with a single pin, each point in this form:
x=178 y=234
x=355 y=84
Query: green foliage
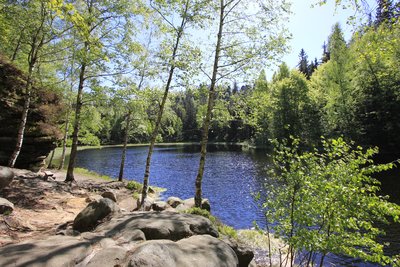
x=133 y=185
x=327 y=201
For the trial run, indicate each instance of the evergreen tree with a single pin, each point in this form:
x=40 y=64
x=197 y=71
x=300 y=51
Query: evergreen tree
x=326 y=55
x=312 y=67
x=303 y=64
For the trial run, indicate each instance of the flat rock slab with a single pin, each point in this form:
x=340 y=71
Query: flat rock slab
x=54 y=251
x=195 y=251
x=159 y=225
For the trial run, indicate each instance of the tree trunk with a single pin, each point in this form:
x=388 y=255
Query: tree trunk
x=161 y=111
x=22 y=125
x=210 y=104
x=17 y=47
x=74 y=147
x=51 y=158
x=121 y=169
x=65 y=138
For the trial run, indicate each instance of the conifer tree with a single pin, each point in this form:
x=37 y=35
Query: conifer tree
x=303 y=63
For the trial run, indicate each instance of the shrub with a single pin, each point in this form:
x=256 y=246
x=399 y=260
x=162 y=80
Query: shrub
x=133 y=185
x=326 y=201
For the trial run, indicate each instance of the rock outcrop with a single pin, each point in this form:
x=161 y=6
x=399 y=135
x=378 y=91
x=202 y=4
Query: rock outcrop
x=158 y=225
x=195 y=251
x=189 y=203
x=53 y=251
x=117 y=237
x=97 y=210
x=41 y=132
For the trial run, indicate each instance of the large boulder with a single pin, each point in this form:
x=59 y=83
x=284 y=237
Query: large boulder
x=189 y=203
x=110 y=195
x=159 y=225
x=94 y=212
x=148 y=203
x=6 y=177
x=245 y=254
x=174 y=201
x=195 y=251
x=6 y=206
x=160 y=206
x=53 y=251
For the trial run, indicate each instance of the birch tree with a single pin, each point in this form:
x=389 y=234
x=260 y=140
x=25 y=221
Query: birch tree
x=100 y=27
x=249 y=36
x=177 y=18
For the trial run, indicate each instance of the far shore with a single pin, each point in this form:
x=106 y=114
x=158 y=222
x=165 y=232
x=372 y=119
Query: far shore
x=58 y=151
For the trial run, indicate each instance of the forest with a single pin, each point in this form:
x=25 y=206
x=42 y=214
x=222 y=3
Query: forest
x=116 y=57
x=156 y=71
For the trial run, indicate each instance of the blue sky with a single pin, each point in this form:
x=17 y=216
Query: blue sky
x=310 y=27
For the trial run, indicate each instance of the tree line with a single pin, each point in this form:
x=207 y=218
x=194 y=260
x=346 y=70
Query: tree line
x=117 y=66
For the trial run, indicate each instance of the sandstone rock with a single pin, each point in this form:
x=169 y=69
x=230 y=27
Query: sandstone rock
x=112 y=256
x=93 y=198
x=195 y=251
x=6 y=207
x=148 y=202
x=54 y=251
x=93 y=213
x=107 y=243
x=41 y=132
x=68 y=232
x=159 y=206
x=159 y=225
x=245 y=254
x=110 y=195
x=6 y=176
x=133 y=235
x=205 y=203
x=174 y=201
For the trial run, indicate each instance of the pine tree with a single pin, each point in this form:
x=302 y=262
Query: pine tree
x=312 y=67
x=303 y=63
x=326 y=55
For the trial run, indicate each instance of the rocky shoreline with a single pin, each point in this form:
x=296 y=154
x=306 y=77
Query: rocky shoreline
x=91 y=223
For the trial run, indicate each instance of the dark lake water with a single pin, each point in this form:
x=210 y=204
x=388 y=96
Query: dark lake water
x=231 y=176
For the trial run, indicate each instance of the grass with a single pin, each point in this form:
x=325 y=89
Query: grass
x=93 y=174
x=259 y=239
x=133 y=185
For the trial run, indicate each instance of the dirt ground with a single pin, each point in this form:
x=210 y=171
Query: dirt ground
x=43 y=205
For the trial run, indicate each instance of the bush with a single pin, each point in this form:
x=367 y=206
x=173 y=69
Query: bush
x=327 y=201
x=133 y=185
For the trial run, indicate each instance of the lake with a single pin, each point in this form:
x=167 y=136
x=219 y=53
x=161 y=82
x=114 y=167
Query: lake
x=231 y=176
x=229 y=179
